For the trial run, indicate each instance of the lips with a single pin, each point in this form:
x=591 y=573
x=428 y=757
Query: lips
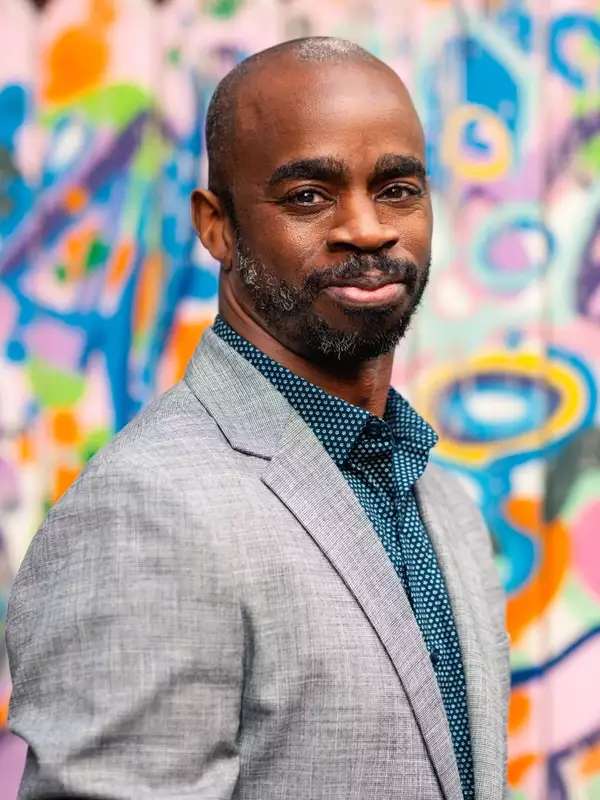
x=370 y=282
x=366 y=292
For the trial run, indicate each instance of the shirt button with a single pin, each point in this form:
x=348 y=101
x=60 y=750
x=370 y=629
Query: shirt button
x=434 y=656
x=374 y=428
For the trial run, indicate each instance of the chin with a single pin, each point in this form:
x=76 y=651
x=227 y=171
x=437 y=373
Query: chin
x=374 y=332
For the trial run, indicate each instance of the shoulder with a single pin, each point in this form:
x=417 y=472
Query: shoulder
x=172 y=449
x=470 y=532
x=445 y=489
x=172 y=428
x=149 y=494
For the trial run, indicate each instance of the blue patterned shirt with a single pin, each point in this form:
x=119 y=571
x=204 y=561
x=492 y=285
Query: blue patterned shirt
x=381 y=458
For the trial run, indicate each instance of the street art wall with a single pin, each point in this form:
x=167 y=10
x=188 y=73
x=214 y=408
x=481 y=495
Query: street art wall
x=104 y=290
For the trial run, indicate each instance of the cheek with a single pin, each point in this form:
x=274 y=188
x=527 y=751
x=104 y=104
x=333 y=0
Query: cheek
x=414 y=233
x=288 y=246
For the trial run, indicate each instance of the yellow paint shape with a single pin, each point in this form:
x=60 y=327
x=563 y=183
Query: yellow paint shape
x=497 y=138
x=523 y=364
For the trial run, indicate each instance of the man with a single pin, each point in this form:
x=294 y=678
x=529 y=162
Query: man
x=258 y=590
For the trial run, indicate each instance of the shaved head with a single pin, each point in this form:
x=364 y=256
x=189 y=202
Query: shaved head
x=318 y=207
x=221 y=114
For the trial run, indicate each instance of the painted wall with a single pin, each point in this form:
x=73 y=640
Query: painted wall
x=104 y=290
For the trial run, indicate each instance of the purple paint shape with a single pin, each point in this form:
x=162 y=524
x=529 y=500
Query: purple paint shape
x=54 y=342
x=8 y=314
x=9 y=489
x=588 y=280
x=12 y=760
x=508 y=254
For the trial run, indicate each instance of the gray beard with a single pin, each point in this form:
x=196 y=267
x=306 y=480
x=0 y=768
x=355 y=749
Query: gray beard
x=288 y=310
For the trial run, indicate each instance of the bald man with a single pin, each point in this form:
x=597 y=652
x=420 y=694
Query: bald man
x=261 y=589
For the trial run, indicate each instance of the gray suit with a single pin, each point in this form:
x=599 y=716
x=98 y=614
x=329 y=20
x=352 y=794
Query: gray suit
x=208 y=613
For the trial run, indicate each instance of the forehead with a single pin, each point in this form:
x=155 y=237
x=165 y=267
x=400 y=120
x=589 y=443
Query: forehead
x=352 y=111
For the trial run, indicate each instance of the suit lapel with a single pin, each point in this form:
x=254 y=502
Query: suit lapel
x=473 y=627
x=307 y=481
x=256 y=419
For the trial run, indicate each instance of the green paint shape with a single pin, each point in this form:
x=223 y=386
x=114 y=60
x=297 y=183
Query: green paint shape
x=149 y=157
x=585 y=490
x=593 y=788
x=93 y=442
x=174 y=56
x=61 y=273
x=97 y=255
x=54 y=387
x=224 y=8
x=586 y=103
x=580 y=603
x=117 y=105
x=519 y=659
x=590 y=153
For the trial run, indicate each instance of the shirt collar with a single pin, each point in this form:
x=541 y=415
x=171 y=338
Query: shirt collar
x=337 y=424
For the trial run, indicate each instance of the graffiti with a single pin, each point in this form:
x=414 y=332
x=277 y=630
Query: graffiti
x=104 y=290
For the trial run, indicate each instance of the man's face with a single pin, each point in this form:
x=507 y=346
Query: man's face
x=333 y=217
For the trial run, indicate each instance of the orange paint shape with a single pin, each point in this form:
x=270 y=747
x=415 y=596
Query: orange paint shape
x=75 y=199
x=120 y=261
x=76 y=62
x=102 y=12
x=4 y=711
x=552 y=540
x=148 y=293
x=65 y=428
x=518 y=767
x=183 y=342
x=76 y=247
x=63 y=478
x=590 y=762
x=25 y=448
x=519 y=710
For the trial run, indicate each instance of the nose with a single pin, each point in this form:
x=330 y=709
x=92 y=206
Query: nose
x=357 y=226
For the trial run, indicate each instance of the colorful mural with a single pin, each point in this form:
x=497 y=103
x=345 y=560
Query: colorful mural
x=104 y=290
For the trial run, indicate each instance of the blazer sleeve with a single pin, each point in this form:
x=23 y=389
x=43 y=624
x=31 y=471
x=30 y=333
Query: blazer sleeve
x=126 y=647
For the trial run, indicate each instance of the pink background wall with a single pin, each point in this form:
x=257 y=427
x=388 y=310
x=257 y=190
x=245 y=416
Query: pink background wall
x=104 y=290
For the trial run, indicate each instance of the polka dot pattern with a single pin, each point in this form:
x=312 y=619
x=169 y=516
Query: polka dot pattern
x=381 y=459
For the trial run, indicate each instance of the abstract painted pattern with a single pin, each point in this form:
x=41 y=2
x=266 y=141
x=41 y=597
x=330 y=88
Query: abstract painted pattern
x=104 y=289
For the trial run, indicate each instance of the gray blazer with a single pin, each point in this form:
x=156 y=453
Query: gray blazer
x=208 y=613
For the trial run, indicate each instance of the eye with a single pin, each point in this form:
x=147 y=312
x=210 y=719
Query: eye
x=306 y=197
x=399 y=191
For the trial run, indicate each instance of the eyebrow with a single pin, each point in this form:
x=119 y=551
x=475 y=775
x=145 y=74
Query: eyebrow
x=324 y=168
x=328 y=168
x=395 y=165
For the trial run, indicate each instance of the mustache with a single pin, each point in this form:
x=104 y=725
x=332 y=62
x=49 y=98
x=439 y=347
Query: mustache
x=356 y=266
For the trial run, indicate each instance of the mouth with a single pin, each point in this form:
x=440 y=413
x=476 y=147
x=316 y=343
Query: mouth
x=368 y=290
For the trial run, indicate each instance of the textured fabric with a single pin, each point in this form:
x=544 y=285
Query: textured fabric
x=149 y=629
x=382 y=459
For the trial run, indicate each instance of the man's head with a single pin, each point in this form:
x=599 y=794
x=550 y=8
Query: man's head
x=317 y=207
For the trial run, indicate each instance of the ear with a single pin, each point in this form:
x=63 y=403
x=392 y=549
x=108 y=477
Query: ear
x=213 y=226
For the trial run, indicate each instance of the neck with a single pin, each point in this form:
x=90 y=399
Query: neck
x=364 y=384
